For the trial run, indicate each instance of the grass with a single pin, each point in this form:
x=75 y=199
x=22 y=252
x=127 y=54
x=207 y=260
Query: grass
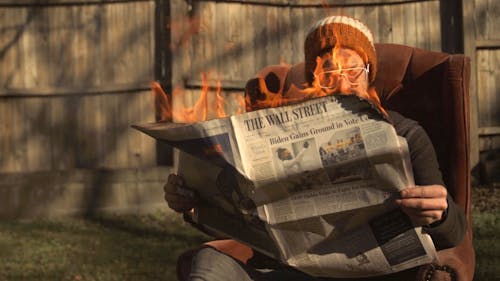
x=486 y=232
x=105 y=248
x=486 y=237
x=135 y=248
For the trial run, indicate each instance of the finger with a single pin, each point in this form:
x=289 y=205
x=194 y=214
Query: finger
x=175 y=179
x=422 y=221
x=423 y=218
x=186 y=192
x=170 y=187
x=181 y=202
x=423 y=203
x=175 y=200
x=173 y=182
x=171 y=178
x=429 y=214
x=179 y=207
x=174 y=196
x=179 y=180
x=429 y=191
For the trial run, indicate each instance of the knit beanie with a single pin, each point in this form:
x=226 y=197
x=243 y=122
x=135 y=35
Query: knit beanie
x=346 y=31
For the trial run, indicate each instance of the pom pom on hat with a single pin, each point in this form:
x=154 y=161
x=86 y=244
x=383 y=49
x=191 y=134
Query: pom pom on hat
x=346 y=31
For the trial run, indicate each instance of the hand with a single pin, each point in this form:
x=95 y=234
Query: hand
x=178 y=197
x=424 y=204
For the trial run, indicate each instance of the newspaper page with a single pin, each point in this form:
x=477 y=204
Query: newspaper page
x=318 y=177
x=206 y=156
x=324 y=173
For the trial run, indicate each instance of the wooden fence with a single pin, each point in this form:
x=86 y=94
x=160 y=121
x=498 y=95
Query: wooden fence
x=234 y=39
x=74 y=74
x=482 y=44
x=487 y=51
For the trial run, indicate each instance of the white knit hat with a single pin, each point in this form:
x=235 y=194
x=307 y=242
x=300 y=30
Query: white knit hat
x=346 y=31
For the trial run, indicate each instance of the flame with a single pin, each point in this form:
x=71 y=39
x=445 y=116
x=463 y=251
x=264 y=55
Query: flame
x=163 y=106
x=202 y=110
x=240 y=101
x=369 y=94
x=186 y=28
x=294 y=94
x=199 y=111
x=174 y=109
x=220 y=101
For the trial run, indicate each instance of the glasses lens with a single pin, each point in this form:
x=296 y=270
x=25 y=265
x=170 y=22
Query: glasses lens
x=353 y=74
x=329 y=79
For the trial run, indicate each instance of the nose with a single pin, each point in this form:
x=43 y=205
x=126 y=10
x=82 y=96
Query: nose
x=344 y=85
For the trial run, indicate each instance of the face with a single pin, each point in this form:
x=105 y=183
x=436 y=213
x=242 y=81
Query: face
x=284 y=154
x=343 y=71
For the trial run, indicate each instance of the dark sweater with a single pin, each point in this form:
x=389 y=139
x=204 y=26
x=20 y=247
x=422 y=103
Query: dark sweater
x=450 y=231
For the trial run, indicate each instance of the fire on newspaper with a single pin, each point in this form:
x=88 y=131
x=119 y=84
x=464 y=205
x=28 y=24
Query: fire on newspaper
x=308 y=184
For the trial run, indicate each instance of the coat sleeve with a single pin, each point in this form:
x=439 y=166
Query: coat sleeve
x=450 y=231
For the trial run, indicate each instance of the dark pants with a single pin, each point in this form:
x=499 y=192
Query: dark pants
x=211 y=265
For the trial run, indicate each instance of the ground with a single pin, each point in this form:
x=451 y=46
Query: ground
x=145 y=247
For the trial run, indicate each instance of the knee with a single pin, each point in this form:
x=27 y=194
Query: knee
x=209 y=264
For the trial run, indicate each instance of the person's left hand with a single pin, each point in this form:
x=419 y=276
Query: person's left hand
x=424 y=204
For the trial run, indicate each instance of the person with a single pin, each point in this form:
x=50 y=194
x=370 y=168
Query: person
x=347 y=64
x=291 y=165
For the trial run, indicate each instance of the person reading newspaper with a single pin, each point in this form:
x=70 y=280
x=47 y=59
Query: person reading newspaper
x=351 y=70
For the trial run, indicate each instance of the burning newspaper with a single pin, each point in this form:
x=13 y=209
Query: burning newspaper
x=309 y=184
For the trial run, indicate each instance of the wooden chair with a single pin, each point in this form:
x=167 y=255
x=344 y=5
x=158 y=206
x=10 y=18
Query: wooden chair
x=430 y=87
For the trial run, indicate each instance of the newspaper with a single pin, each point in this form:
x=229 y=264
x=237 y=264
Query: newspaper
x=309 y=184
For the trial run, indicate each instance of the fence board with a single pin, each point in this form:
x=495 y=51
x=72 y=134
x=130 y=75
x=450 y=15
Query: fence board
x=38 y=144
x=208 y=45
x=4 y=133
x=435 y=26
x=286 y=36
x=14 y=149
x=248 y=32
x=297 y=35
x=486 y=19
x=385 y=24
x=487 y=87
x=411 y=23
x=180 y=28
x=63 y=122
x=494 y=20
x=142 y=147
x=422 y=29
x=398 y=24
x=271 y=50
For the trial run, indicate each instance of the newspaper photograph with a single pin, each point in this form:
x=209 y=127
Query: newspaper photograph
x=309 y=184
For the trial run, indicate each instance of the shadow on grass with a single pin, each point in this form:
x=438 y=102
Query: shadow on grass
x=146 y=247
x=99 y=248
x=152 y=226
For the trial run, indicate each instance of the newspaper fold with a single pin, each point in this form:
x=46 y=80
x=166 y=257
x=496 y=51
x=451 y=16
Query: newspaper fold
x=310 y=184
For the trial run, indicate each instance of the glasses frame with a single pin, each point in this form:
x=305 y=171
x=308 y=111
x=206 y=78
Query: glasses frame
x=341 y=74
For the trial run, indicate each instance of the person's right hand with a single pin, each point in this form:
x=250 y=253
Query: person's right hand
x=178 y=197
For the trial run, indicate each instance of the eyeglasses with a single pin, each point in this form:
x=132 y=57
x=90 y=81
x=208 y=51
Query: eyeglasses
x=329 y=79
